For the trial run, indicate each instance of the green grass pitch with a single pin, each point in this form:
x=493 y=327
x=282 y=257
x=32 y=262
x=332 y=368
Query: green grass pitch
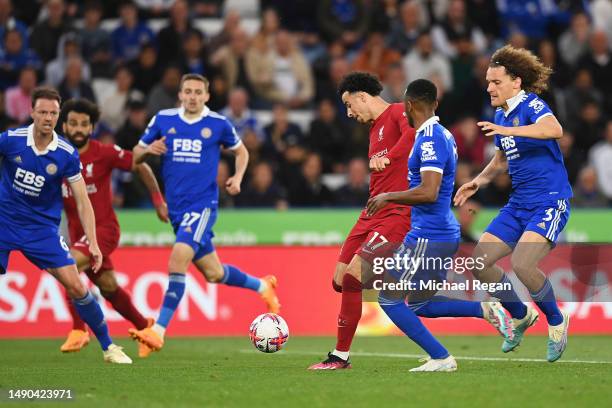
x=229 y=372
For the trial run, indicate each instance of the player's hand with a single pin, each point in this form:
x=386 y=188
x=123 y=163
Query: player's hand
x=491 y=129
x=162 y=212
x=232 y=185
x=96 y=257
x=375 y=204
x=379 y=163
x=465 y=191
x=158 y=147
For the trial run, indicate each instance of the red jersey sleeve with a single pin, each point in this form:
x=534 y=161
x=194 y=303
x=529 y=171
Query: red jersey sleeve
x=402 y=147
x=118 y=158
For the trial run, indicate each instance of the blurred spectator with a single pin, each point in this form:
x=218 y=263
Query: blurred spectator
x=170 y=39
x=46 y=34
x=18 y=100
x=590 y=125
x=5 y=120
x=266 y=36
x=231 y=61
x=322 y=67
x=67 y=48
x=223 y=173
x=496 y=194
x=462 y=66
x=600 y=157
x=146 y=69
x=238 y=113
x=601 y=10
x=470 y=142
x=344 y=19
x=483 y=13
x=131 y=34
x=231 y=23
x=407 y=27
x=193 y=56
x=308 y=189
x=112 y=108
x=375 y=57
x=456 y=26
x=577 y=94
x=466 y=215
x=130 y=132
x=599 y=63
x=329 y=136
x=529 y=17
x=560 y=76
x=207 y=8
x=518 y=40
x=262 y=191
x=574 y=42
x=9 y=22
x=463 y=174
x=586 y=191
x=573 y=158
x=155 y=8
x=13 y=58
x=73 y=85
x=280 y=134
x=164 y=95
x=328 y=89
x=394 y=84
x=96 y=43
x=354 y=193
x=424 y=62
x=282 y=75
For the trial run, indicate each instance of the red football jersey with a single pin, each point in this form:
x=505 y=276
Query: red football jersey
x=98 y=162
x=391 y=136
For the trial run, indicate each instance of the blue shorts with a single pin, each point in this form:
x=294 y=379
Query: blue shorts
x=194 y=228
x=43 y=246
x=547 y=219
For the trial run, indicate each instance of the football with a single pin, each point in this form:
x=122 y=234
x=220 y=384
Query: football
x=269 y=333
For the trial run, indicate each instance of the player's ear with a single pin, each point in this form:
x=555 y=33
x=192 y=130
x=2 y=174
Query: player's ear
x=435 y=105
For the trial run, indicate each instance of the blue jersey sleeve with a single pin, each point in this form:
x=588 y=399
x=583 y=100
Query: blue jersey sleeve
x=229 y=137
x=3 y=143
x=72 y=171
x=497 y=142
x=434 y=153
x=152 y=133
x=537 y=109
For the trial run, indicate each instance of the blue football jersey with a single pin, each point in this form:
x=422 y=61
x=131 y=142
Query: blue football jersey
x=434 y=150
x=31 y=180
x=189 y=168
x=535 y=165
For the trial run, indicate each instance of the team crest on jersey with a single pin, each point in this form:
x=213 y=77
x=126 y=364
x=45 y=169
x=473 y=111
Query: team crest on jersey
x=380 y=133
x=17 y=159
x=515 y=121
x=172 y=131
x=89 y=170
x=206 y=133
x=51 y=169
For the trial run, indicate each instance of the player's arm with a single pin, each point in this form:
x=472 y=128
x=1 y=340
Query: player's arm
x=88 y=220
x=157 y=148
x=148 y=178
x=241 y=161
x=424 y=193
x=547 y=127
x=497 y=165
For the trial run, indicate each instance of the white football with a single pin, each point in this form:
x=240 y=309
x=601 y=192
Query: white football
x=269 y=333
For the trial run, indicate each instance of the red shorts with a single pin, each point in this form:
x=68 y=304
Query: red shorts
x=369 y=234
x=108 y=240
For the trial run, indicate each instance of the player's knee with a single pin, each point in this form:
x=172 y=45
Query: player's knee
x=107 y=288
x=76 y=289
x=520 y=265
x=336 y=286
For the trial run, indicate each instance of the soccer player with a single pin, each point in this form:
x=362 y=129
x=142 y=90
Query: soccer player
x=98 y=160
x=390 y=141
x=35 y=160
x=434 y=233
x=528 y=226
x=189 y=140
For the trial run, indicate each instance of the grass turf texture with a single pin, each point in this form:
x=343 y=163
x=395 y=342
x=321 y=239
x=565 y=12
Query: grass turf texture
x=225 y=372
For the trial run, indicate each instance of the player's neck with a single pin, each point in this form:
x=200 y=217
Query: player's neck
x=41 y=140
x=193 y=115
x=421 y=117
x=379 y=105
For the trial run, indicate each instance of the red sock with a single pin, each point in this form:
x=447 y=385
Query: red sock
x=350 y=312
x=122 y=303
x=77 y=322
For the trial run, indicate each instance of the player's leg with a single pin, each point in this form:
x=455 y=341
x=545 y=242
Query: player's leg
x=208 y=263
x=339 y=272
x=78 y=337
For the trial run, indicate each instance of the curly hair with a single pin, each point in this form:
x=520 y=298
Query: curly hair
x=521 y=63
x=360 y=82
x=80 y=106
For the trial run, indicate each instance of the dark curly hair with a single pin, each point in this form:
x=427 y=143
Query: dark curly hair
x=360 y=82
x=80 y=106
x=422 y=90
x=521 y=63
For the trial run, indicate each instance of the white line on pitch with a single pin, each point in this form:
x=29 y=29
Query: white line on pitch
x=398 y=355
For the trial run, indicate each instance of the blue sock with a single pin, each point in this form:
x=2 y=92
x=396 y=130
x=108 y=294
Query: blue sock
x=510 y=300
x=441 y=306
x=235 y=277
x=172 y=298
x=89 y=310
x=545 y=299
x=409 y=323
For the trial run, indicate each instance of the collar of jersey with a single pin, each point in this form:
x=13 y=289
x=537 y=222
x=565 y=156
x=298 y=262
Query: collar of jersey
x=428 y=122
x=50 y=146
x=204 y=113
x=513 y=102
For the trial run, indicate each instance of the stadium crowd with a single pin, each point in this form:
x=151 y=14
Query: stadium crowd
x=274 y=66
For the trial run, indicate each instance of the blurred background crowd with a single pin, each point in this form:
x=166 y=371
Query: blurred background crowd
x=274 y=66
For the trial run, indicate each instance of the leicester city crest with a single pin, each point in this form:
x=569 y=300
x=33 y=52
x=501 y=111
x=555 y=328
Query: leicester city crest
x=206 y=133
x=515 y=121
x=51 y=169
